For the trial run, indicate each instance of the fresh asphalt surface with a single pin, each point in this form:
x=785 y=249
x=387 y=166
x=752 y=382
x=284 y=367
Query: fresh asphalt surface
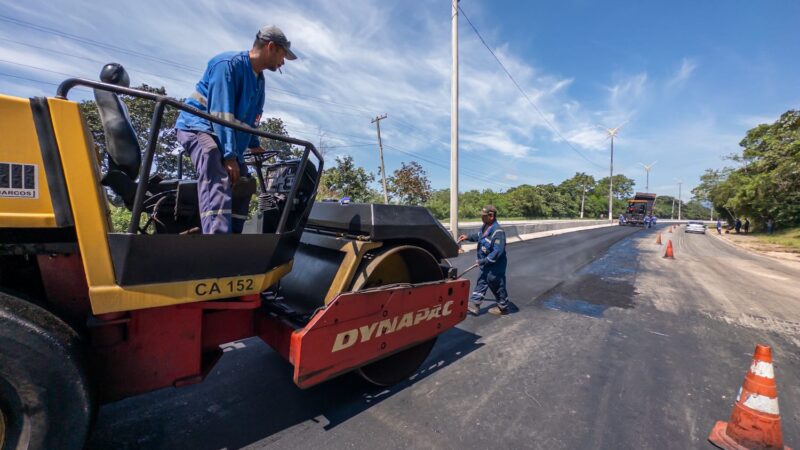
x=612 y=347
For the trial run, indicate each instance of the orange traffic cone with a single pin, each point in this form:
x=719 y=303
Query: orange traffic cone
x=755 y=421
x=669 y=253
x=658 y=239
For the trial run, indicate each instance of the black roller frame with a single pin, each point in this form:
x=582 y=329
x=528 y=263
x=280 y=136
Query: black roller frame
x=161 y=102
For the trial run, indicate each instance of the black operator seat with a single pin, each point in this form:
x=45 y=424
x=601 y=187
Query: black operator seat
x=124 y=153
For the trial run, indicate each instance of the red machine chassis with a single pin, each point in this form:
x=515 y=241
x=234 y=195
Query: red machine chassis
x=360 y=327
x=143 y=350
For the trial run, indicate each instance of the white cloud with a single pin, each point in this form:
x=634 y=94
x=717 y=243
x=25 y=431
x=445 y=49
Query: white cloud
x=498 y=141
x=688 y=66
x=365 y=58
x=628 y=90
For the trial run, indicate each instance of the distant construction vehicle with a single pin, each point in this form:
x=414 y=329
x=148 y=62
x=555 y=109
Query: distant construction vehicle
x=89 y=315
x=638 y=207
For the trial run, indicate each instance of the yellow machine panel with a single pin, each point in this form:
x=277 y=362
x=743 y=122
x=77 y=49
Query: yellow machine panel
x=90 y=212
x=24 y=192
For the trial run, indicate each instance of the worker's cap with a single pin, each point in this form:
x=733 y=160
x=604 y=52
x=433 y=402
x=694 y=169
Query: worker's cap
x=488 y=209
x=271 y=33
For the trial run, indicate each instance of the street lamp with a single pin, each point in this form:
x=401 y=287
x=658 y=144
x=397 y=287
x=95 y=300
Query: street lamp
x=612 y=133
x=647 y=168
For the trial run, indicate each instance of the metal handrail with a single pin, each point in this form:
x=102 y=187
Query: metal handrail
x=155 y=126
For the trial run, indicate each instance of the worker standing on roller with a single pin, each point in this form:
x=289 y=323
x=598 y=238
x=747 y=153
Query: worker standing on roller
x=492 y=261
x=232 y=88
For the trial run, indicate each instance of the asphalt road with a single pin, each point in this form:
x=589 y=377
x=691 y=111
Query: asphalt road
x=612 y=347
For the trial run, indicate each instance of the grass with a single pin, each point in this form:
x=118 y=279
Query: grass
x=787 y=238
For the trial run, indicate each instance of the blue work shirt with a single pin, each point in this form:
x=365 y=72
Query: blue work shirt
x=491 y=247
x=229 y=90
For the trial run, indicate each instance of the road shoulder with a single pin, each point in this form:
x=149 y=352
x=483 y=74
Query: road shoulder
x=751 y=244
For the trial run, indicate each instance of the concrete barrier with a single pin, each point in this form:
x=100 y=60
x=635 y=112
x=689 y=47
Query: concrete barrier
x=516 y=229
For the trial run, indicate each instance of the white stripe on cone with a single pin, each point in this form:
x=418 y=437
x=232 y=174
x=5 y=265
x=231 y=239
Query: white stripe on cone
x=760 y=403
x=762 y=369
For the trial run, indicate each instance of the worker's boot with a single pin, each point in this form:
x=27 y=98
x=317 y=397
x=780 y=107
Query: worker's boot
x=498 y=311
x=473 y=308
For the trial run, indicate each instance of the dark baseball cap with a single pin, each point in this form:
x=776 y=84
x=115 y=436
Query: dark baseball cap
x=271 y=33
x=488 y=209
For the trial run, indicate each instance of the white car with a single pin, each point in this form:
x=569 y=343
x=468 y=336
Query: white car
x=695 y=227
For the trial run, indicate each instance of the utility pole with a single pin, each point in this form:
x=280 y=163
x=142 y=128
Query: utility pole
x=679 y=198
x=672 y=214
x=377 y=122
x=583 y=197
x=647 y=168
x=454 y=121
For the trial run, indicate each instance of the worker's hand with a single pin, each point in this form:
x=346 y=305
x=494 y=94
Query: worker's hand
x=232 y=166
x=256 y=150
x=461 y=238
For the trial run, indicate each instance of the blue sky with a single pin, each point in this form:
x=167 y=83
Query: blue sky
x=687 y=78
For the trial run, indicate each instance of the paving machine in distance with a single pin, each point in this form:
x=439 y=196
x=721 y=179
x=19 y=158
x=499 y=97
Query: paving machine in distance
x=638 y=207
x=89 y=315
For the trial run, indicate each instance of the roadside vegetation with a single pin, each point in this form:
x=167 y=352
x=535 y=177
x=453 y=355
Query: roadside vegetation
x=789 y=238
x=764 y=180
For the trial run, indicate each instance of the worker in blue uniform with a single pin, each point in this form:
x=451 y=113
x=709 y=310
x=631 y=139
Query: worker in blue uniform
x=492 y=260
x=232 y=88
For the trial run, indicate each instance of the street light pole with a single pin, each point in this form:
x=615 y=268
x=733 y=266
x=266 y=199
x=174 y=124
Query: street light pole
x=377 y=122
x=611 y=179
x=454 y=121
x=647 y=168
x=612 y=132
x=680 y=182
x=583 y=197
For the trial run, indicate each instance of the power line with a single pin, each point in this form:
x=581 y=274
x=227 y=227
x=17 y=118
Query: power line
x=470 y=172
x=349 y=145
x=86 y=58
x=2 y=74
x=474 y=175
x=524 y=94
x=88 y=41
x=93 y=42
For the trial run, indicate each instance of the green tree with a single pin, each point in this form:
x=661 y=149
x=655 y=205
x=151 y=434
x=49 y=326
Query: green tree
x=439 y=203
x=346 y=180
x=285 y=150
x=578 y=187
x=410 y=184
x=767 y=182
x=524 y=201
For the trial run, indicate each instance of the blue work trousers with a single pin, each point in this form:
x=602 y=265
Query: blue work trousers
x=220 y=213
x=494 y=280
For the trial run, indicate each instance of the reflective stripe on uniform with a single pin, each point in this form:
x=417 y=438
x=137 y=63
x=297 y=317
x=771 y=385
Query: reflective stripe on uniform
x=215 y=213
x=229 y=117
x=200 y=98
x=240 y=216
